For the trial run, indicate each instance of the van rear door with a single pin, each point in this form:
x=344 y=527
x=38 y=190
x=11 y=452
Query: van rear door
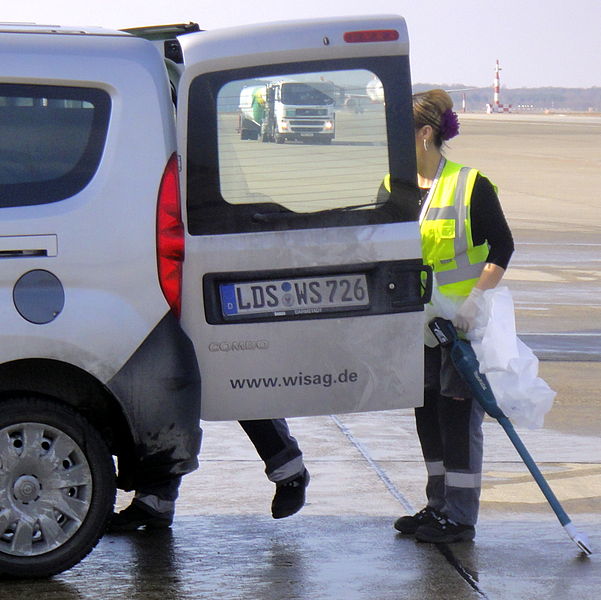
x=303 y=282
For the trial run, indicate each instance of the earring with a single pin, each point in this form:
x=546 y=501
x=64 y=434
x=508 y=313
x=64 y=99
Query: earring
x=426 y=145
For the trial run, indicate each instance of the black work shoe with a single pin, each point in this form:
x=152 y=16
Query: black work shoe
x=290 y=496
x=137 y=515
x=443 y=530
x=409 y=523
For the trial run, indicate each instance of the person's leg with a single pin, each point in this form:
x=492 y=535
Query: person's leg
x=462 y=419
x=277 y=448
x=460 y=426
x=427 y=421
x=283 y=463
x=153 y=507
x=427 y=425
x=160 y=496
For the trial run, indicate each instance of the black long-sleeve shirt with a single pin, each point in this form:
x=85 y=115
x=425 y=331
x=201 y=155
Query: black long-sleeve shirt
x=489 y=223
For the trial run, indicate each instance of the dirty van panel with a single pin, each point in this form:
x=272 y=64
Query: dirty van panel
x=303 y=287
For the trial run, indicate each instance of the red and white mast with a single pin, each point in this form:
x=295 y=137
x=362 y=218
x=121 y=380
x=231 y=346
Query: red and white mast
x=496 y=106
x=497 y=88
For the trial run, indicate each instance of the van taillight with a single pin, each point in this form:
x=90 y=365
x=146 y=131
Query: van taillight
x=170 y=236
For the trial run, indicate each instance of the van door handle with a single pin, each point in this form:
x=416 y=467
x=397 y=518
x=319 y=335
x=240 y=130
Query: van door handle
x=15 y=246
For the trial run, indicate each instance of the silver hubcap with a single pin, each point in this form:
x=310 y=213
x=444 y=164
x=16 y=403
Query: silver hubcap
x=45 y=488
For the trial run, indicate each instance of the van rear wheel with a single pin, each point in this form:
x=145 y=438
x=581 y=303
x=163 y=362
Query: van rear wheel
x=57 y=487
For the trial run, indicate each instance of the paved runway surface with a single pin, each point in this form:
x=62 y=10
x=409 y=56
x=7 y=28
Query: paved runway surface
x=548 y=169
x=367 y=469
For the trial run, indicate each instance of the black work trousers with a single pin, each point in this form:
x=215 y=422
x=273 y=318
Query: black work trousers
x=449 y=426
x=275 y=445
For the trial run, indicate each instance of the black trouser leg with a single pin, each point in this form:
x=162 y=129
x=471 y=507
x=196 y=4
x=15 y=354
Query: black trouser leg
x=277 y=448
x=426 y=420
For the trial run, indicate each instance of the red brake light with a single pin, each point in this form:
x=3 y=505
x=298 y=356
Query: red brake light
x=170 y=236
x=374 y=35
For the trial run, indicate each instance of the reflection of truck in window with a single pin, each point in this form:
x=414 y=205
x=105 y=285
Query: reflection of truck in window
x=286 y=110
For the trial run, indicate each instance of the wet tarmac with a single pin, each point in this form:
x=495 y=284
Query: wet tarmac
x=318 y=558
x=366 y=469
x=572 y=347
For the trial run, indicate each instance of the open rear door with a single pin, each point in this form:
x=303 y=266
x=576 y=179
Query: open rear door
x=303 y=285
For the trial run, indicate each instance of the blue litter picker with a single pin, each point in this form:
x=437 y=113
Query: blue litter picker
x=465 y=361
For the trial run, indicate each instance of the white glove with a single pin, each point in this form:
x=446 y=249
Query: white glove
x=465 y=319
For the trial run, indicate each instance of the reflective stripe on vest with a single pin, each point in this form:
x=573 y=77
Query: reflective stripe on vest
x=446 y=232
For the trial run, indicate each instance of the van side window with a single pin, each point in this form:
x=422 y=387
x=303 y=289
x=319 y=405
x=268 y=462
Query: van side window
x=51 y=143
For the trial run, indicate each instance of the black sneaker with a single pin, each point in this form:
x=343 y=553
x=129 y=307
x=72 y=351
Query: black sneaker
x=290 y=496
x=409 y=523
x=443 y=530
x=137 y=515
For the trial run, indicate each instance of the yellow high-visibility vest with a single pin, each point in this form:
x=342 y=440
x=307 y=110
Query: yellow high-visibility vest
x=446 y=231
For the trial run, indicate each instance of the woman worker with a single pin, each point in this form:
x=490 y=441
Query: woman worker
x=468 y=244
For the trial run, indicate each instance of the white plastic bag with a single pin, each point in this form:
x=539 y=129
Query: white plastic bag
x=510 y=366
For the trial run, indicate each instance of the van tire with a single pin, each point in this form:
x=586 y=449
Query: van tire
x=59 y=479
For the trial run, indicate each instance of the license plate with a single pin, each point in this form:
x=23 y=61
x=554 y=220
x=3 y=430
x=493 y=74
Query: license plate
x=279 y=297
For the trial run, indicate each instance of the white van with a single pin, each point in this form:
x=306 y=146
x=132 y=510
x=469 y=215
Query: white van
x=298 y=295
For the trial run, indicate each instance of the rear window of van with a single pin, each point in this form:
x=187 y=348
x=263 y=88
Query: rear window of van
x=51 y=143
x=300 y=146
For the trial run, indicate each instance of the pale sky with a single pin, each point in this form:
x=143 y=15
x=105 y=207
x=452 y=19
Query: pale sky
x=538 y=42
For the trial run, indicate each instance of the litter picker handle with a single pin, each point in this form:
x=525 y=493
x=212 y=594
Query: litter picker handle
x=535 y=471
x=580 y=538
x=444 y=331
x=464 y=359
